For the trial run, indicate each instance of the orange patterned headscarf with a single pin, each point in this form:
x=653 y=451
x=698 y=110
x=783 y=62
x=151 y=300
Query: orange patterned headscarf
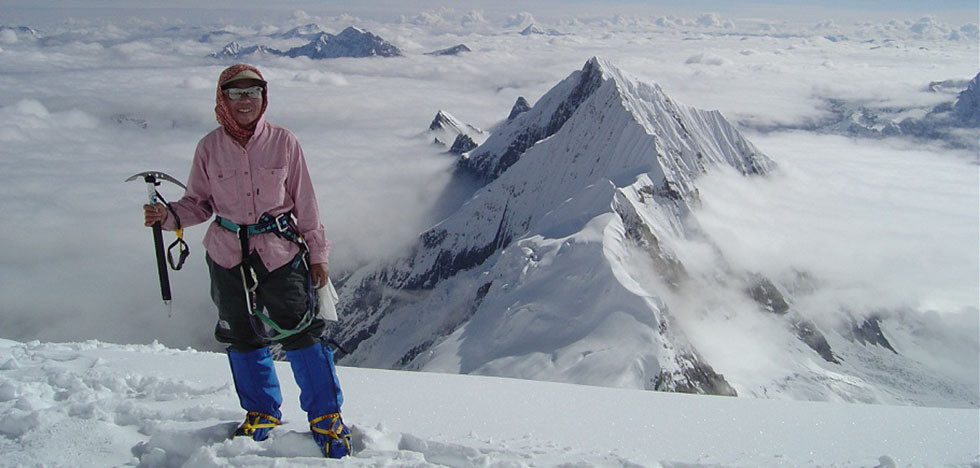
x=223 y=112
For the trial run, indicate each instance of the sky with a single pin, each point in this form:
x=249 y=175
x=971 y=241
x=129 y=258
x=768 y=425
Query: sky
x=96 y=101
x=548 y=10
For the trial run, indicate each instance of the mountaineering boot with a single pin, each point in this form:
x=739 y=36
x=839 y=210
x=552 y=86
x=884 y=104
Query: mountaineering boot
x=320 y=397
x=258 y=391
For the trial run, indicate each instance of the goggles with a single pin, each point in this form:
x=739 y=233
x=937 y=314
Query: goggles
x=235 y=94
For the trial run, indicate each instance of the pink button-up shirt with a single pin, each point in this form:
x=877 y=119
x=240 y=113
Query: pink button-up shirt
x=268 y=175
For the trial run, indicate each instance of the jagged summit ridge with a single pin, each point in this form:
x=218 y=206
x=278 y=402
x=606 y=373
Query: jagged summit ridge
x=650 y=106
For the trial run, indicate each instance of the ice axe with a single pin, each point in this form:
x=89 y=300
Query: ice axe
x=152 y=179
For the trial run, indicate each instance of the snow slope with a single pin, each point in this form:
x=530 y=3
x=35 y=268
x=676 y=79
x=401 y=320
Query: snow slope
x=95 y=404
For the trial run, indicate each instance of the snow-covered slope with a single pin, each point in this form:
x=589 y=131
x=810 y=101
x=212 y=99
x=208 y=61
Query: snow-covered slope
x=581 y=260
x=95 y=404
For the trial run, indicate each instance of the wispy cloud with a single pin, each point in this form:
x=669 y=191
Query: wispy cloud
x=884 y=225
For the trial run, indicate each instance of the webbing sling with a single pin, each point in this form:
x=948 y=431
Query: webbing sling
x=182 y=250
x=281 y=226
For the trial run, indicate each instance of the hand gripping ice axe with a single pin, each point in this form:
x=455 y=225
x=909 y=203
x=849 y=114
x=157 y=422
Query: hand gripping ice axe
x=152 y=179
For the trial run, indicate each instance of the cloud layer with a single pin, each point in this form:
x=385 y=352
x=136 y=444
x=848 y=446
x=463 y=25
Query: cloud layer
x=90 y=102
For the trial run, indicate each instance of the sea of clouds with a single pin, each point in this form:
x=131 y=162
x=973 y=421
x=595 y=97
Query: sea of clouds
x=90 y=99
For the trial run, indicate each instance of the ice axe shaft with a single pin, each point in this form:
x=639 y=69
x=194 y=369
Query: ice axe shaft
x=151 y=179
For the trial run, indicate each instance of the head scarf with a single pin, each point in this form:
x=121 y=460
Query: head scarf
x=222 y=109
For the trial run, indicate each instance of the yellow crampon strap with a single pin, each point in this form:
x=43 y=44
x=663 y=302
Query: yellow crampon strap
x=335 y=429
x=252 y=423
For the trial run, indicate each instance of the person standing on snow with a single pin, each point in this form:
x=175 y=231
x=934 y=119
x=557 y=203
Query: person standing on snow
x=265 y=249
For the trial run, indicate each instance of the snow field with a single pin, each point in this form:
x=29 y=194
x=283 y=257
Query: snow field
x=98 y=404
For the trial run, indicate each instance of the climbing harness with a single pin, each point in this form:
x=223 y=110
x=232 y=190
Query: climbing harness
x=281 y=225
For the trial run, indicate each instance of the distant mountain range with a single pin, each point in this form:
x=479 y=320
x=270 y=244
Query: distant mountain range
x=955 y=123
x=351 y=42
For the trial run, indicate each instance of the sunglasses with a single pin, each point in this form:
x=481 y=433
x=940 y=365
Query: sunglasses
x=235 y=94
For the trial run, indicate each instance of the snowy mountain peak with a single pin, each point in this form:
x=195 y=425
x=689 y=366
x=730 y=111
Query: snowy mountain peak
x=445 y=121
x=597 y=124
x=601 y=165
x=967 y=106
x=353 y=31
x=531 y=29
x=449 y=131
x=234 y=50
x=356 y=42
x=454 y=50
x=351 y=42
x=690 y=132
x=520 y=106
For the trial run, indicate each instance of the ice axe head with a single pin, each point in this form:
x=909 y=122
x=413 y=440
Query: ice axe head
x=151 y=177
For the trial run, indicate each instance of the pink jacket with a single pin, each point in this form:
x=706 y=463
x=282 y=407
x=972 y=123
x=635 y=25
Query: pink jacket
x=270 y=176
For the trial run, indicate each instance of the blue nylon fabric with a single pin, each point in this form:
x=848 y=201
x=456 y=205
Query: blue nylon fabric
x=256 y=382
x=316 y=376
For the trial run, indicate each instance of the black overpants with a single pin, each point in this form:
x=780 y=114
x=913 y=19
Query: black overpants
x=282 y=292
